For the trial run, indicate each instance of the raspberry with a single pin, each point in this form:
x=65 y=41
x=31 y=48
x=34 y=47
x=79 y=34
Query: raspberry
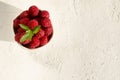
x=34 y=43
x=43 y=40
x=20 y=30
x=24 y=14
x=40 y=34
x=16 y=23
x=38 y=20
x=18 y=36
x=44 y=14
x=26 y=42
x=24 y=21
x=48 y=31
x=46 y=22
x=33 y=23
x=33 y=11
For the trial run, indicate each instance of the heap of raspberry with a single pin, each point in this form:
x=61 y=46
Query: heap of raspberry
x=33 y=28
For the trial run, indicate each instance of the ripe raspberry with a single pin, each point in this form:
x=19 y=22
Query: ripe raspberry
x=43 y=40
x=20 y=30
x=24 y=14
x=46 y=22
x=24 y=21
x=38 y=20
x=48 y=31
x=34 y=43
x=33 y=23
x=16 y=23
x=18 y=36
x=26 y=42
x=33 y=11
x=40 y=34
x=44 y=14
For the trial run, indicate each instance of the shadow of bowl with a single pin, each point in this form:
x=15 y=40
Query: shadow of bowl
x=7 y=14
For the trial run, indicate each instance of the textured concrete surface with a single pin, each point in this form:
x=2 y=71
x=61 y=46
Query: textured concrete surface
x=85 y=44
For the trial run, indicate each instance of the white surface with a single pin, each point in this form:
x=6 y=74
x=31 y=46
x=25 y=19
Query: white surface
x=85 y=45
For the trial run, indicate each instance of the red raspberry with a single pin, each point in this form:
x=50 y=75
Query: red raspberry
x=26 y=42
x=43 y=40
x=20 y=30
x=34 y=43
x=40 y=34
x=44 y=14
x=24 y=21
x=33 y=11
x=24 y=14
x=18 y=36
x=46 y=22
x=48 y=31
x=38 y=20
x=33 y=23
x=16 y=23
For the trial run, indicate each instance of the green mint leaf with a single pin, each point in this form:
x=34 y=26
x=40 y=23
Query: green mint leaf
x=24 y=27
x=27 y=36
x=36 y=29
